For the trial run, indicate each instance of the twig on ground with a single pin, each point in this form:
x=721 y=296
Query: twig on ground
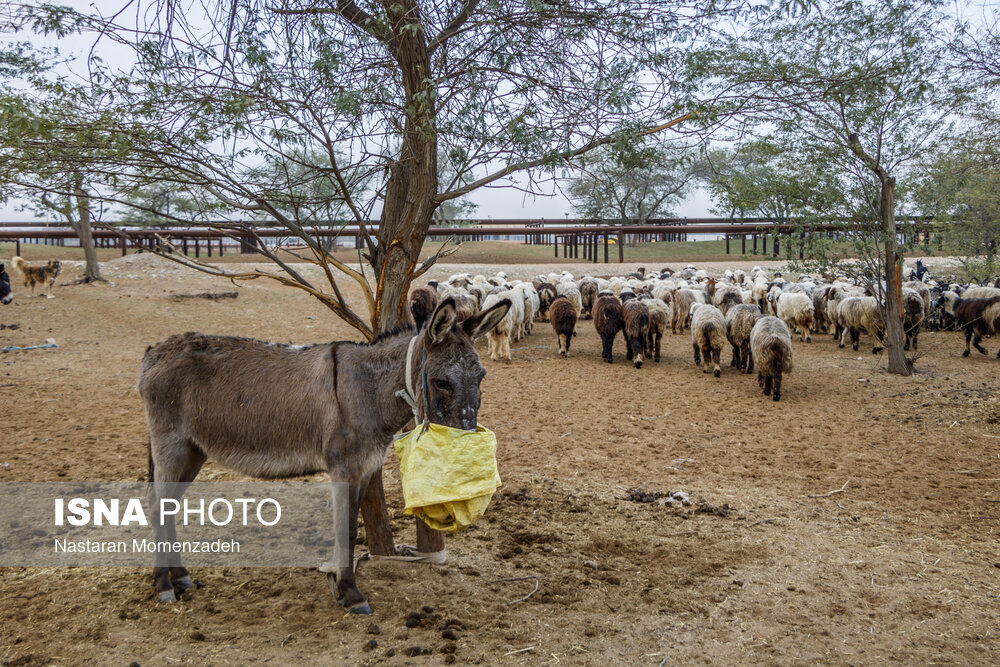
x=535 y=590
x=520 y=650
x=830 y=493
x=757 y=523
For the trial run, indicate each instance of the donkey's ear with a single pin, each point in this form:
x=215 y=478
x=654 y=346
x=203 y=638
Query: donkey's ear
x=486 y=320
x=442 y=320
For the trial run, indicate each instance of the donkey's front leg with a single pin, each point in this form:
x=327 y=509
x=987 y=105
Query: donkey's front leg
x=342 y=583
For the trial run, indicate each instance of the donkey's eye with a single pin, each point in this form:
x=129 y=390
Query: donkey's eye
x=442 y=385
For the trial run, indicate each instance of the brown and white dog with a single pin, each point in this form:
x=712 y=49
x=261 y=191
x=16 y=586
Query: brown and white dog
x=37 y=275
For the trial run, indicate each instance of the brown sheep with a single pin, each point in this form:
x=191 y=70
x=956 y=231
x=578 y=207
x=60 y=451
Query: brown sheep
x=636 y=330
x=976 y=317
x=913 y=316
x=609 y=319
x=562 y=315
x=423 y=301
x=771 y=348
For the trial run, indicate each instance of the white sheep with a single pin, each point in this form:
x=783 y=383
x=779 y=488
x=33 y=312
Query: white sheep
x=796 y=310
x=500 y=335
x=708 y=336
x=857 y=313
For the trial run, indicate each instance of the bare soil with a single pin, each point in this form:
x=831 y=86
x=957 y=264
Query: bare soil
x=902 y=566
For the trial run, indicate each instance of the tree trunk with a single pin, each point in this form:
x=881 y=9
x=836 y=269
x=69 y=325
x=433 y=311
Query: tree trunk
x=92 y=271
x=898 y=363
x=406 y=216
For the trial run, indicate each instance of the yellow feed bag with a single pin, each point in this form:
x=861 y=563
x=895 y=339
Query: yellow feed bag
x=449 y=475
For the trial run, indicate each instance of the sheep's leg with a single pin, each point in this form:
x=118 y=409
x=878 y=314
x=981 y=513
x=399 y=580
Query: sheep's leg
x=843 y=337
x=735 y=363
x=569 y=339
x=715 y=362
x=628 y=348
x=748 y=355
x=776 y=385
x=767 y=385
x=706 y=357
x=968 y=337
x=805 y=330
x=855 y=338
x=657 y=349
x=697 y=354
x=975 y=343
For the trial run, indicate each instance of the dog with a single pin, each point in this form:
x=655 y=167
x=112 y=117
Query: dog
x=6 y=295
x=38 y=275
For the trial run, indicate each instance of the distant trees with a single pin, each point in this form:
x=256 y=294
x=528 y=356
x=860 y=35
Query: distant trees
x=859 y=91
x=959 y=185
x=764 y=179
x=631 y=185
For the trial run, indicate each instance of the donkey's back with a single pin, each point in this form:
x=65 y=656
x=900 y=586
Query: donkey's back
x=256 y=407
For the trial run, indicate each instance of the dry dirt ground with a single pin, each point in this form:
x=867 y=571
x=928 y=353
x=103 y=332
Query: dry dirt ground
x=903 y=566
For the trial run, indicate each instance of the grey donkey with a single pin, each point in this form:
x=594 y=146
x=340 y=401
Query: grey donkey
x=275 y=411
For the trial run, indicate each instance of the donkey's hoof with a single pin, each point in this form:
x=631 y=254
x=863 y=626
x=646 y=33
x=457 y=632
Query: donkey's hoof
x=166 y=596
x=360 y=608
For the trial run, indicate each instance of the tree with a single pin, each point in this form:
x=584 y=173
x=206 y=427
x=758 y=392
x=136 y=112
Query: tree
x=863 y=93
x=760 y=178
x=45 y=156
x=380 y=88
x=631 y=183
x=959 y=186
x=162 y=203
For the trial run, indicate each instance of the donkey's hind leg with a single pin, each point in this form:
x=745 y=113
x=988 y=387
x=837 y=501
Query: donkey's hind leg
x=175 y=462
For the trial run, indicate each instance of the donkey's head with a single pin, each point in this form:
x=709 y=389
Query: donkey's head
x=452 y=369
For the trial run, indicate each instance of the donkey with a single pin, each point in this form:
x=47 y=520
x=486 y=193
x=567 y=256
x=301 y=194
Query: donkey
x=273 y=411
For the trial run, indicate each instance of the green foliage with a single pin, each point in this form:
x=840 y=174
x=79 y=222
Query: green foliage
x=852 y=96
x=762 y=179
x=631 y=182
x=959 y=185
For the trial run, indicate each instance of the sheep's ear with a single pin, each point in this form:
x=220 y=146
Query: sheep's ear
x=486 y=320
x=442 y=321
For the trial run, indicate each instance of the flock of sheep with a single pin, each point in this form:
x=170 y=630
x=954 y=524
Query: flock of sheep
x=755 y=312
